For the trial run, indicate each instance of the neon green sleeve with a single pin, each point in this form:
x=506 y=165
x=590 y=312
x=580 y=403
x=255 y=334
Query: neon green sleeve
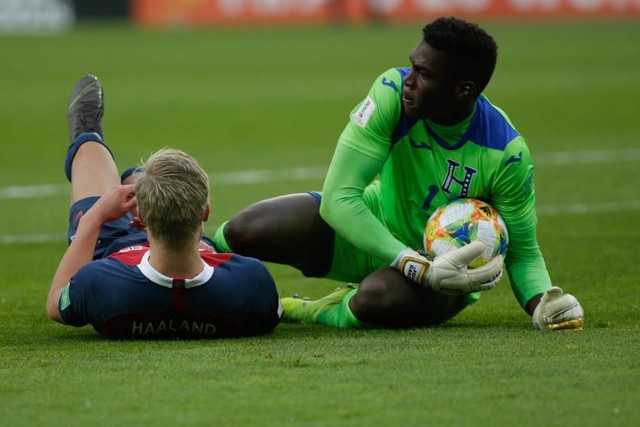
x=515 y=200
x=343 y=205
x=361 y=152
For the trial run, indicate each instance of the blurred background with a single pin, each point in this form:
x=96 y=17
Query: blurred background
x=57 y=15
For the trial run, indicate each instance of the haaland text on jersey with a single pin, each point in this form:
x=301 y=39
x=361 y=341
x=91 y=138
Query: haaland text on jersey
x=172 y=325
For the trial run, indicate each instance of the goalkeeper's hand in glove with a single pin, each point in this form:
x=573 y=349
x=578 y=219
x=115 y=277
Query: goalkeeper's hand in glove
x=557 y=310
x=449 y=273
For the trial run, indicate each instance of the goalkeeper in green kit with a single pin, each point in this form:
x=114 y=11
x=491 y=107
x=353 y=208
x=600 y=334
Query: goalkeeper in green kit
x=423 y=135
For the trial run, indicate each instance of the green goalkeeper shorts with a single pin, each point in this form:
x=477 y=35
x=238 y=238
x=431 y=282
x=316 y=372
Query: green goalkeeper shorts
x=351 y=265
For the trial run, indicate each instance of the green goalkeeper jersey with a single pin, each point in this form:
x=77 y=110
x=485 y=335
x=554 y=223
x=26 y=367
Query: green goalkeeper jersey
x=390 y=172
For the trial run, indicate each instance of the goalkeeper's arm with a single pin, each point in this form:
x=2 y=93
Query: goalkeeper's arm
x=344 y=209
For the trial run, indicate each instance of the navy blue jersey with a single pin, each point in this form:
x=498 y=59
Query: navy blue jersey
x=124 y=297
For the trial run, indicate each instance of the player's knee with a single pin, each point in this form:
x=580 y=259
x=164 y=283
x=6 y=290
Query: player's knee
x=386 y=298
x=244 y=232
x=377 y=301
x=237 y=234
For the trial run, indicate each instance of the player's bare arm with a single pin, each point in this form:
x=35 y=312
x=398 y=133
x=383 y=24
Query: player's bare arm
x=111 y=206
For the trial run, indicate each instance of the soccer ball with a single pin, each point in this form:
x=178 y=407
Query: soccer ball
x=462 y=221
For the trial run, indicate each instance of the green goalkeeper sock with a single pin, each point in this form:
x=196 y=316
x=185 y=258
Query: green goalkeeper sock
x=220 y=241
x=340 y=315
x=332 y=310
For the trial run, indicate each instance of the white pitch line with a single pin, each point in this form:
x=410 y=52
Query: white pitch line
x=570 y=209
x=32 y=238
x=586 y=157
x=33 y=191
x=261 y=176
x=589 y=208
x=258 y=176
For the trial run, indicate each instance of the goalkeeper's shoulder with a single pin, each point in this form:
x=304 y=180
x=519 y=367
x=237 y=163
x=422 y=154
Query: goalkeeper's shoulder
x=390 y=81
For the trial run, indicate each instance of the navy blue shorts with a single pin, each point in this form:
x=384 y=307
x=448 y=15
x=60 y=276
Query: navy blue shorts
x=114 y=235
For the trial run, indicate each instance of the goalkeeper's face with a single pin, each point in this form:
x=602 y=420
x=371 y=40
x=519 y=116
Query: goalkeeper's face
x=429 y=90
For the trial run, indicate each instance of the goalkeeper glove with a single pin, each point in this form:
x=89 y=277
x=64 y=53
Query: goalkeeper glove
x=448 y=273
x=557 y=310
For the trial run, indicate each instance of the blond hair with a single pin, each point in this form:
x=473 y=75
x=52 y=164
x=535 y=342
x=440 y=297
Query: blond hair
x=172 y=193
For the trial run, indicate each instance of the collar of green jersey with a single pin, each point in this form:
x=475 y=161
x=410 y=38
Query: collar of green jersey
x=449 y=135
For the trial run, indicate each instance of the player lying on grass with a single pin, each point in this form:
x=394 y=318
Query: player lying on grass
x=422 y=136
x=152 y=275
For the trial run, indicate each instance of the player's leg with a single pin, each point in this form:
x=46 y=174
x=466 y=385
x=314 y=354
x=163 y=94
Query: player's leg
x=94 y=171
x=89 y=164
x=387 y=298
x=90 y=167
x=284 y=230
x=384 y=298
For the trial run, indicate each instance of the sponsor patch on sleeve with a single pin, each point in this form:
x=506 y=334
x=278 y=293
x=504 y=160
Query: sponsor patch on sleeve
x=365 y=112
x=65 y=301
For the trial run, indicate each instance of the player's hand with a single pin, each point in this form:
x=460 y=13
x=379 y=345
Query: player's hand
x=137 y=223
x=449 y=273
x=557 y=310
x=114 y=204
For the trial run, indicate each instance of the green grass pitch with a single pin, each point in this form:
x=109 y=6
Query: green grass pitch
x=262 y=110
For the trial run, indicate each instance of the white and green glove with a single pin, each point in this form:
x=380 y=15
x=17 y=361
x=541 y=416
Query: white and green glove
x=449 y=273
x=558 y=310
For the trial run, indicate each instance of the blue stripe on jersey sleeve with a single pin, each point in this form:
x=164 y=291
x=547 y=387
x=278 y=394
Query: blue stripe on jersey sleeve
x=489 y=128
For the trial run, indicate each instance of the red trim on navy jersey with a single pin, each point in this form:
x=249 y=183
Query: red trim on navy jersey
x=178 y=295
x=214 y=259
x=131 y=255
